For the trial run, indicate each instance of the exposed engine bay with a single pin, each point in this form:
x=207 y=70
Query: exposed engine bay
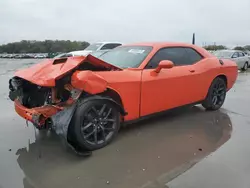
x=31 y=95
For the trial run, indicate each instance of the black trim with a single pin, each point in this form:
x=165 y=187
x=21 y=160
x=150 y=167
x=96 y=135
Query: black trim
x=158 y=113
x=59 y=61
x=221 y=62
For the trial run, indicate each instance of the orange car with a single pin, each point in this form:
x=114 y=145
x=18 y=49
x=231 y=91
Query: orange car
x=85 y=99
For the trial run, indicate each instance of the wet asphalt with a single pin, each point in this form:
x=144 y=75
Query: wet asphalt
x=187 y=147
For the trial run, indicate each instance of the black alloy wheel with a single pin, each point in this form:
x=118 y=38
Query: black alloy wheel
x=95 y=124
x=98 y=124
x=216 y=95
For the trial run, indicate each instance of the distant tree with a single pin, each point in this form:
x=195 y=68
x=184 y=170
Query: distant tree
x=247 y=47
x=215 y=47
x=47 y=46
x=239 y=48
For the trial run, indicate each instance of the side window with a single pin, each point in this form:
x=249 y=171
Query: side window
x=68 y=55
x=235 y=55
x=178 y=55
x=162 y=54
x=110 y=46
x=193 y=55
x=116 y=45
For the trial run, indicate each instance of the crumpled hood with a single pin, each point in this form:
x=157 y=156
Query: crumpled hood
x=46 y=72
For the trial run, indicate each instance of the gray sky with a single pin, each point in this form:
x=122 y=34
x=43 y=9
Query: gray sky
x=220 y=21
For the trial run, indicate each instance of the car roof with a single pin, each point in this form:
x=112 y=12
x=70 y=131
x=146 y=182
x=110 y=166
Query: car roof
x=106 y=42
x=160 y=44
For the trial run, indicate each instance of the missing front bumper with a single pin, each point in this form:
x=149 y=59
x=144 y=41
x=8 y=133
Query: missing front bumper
x=36 y=115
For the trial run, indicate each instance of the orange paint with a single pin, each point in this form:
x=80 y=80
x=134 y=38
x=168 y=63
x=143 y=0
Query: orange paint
x=142 y=91
x=45 y=111
x=89 y=82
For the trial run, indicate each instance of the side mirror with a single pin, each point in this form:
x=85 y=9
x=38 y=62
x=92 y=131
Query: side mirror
x=164 y=64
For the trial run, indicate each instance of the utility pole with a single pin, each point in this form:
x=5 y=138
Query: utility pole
x=193 y=41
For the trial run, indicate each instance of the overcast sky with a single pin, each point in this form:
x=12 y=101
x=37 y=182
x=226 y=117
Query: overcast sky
x=220 y=21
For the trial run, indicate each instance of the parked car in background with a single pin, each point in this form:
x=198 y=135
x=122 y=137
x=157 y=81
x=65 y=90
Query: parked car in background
x=99 y=53
x=96 y=47
x=247 y=53
x=236 y=55
x=40 y=56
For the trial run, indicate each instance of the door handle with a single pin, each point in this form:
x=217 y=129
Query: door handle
x=192 y=71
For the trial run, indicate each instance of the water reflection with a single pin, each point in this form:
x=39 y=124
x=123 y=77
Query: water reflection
x=141 y=153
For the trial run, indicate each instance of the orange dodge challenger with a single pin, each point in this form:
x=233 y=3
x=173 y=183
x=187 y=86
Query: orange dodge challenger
x=85 y=99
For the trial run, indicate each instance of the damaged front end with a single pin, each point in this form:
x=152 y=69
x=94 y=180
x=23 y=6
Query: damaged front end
x=39 y=104
x=47 y=93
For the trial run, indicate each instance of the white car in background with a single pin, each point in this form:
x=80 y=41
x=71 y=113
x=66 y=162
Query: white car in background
x=236 y=55
x=247 y=53
x=96 y=47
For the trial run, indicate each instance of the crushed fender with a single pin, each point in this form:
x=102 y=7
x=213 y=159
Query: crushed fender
x=89 y=82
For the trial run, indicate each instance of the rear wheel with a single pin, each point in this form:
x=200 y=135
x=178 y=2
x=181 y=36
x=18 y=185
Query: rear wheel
x=95 y=124
x=216 y=95
x=244 y=68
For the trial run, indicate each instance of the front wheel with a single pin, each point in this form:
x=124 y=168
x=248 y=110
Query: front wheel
x=95 y=124
x=216 y=95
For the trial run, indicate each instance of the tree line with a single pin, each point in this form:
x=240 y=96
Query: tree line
x=221 y=47
x=54 y=46
x=47 y=46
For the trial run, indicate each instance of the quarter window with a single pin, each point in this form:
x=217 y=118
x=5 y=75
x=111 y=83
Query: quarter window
x=193 y=55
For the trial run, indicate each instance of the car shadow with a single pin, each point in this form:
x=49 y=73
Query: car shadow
x=142 y=152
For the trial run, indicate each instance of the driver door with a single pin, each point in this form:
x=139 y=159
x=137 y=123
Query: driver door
x=172 y=87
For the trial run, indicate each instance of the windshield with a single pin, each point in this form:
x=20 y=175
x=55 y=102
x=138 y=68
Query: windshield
x=93 y=47
x=126 y=56
x=223 y=53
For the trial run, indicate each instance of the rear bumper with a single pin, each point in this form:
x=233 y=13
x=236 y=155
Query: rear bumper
x=36 y=115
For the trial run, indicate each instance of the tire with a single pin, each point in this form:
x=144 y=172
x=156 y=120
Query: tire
x=91 y=122
x=245 y=67
x=216 y=95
